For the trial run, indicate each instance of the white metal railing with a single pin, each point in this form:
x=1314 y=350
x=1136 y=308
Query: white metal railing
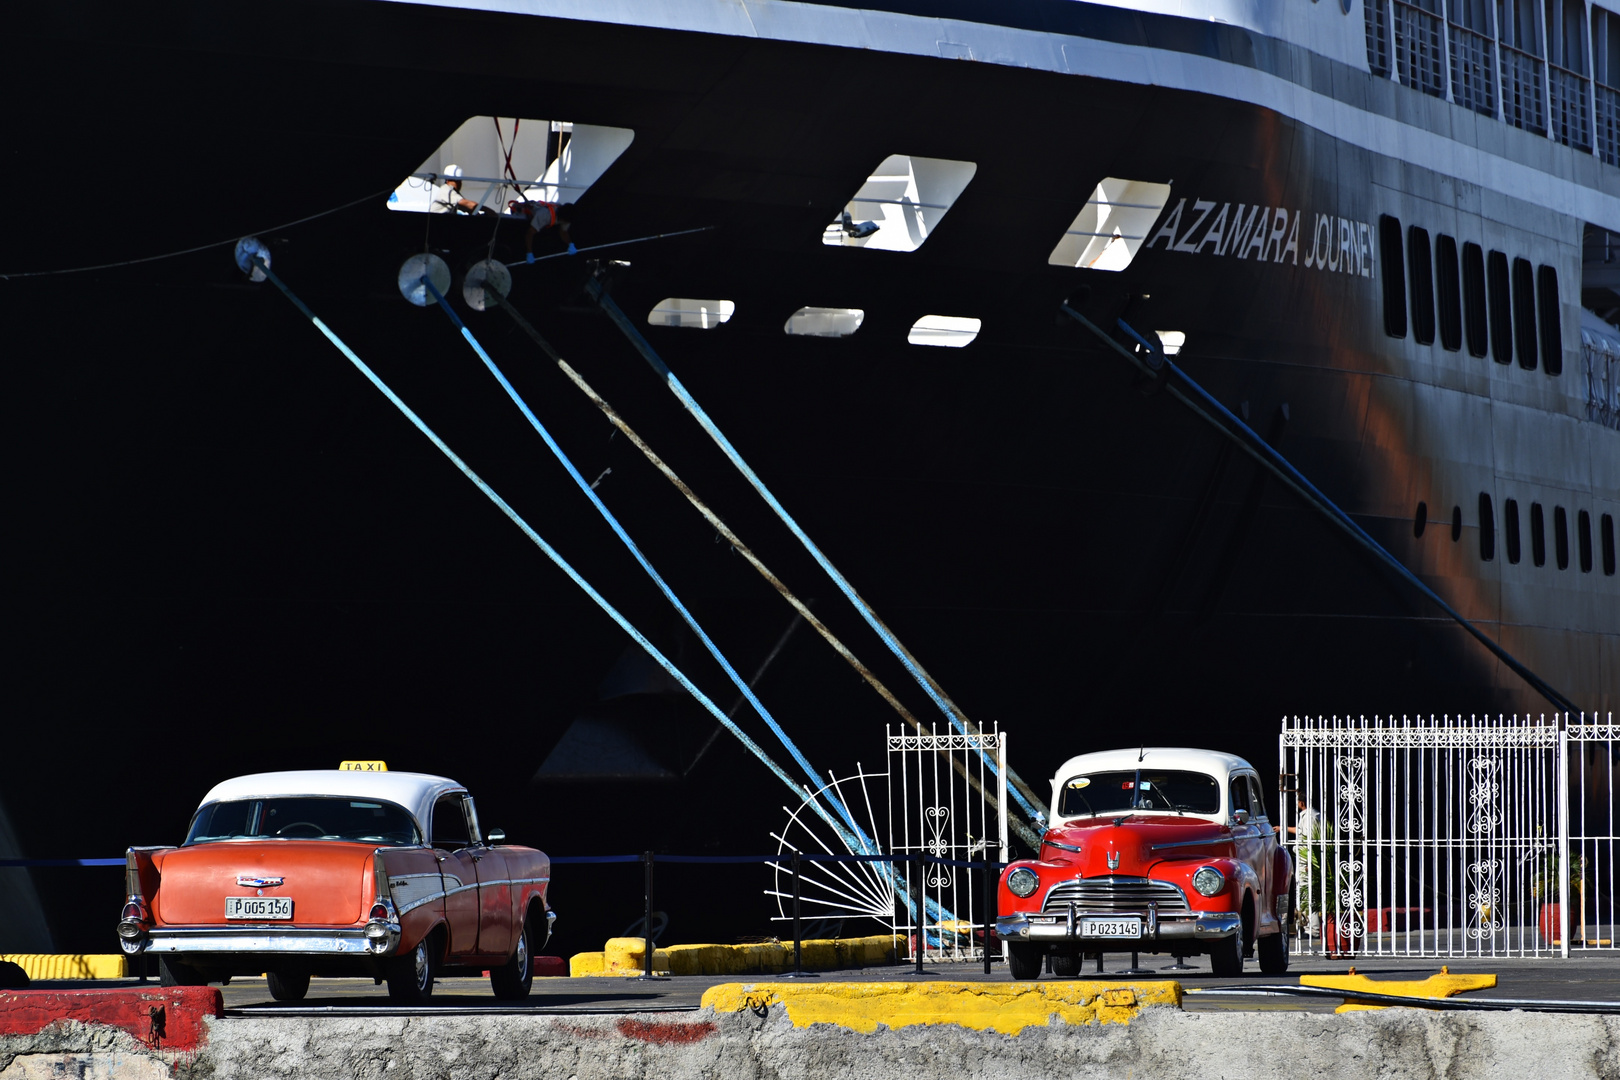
x=1608 y=124
x=1420 y=48
x=1377 y=18
x=1524 y=95
x=1571 y=108
x=1473 y=70
x=1452 y=836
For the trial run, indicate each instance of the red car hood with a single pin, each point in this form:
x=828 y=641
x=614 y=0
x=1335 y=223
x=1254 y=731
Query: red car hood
x=1134 y=845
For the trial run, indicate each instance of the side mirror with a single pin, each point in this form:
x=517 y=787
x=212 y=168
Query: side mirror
x=497 y=836
x=1240 y=817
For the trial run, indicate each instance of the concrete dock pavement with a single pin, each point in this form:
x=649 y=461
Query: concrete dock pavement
x=606 y=1028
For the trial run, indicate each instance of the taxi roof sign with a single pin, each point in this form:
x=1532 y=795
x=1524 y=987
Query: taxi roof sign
x=363 y=766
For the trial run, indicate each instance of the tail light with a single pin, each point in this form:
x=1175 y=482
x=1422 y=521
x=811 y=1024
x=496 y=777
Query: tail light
x=378 y=911
x=133 y=912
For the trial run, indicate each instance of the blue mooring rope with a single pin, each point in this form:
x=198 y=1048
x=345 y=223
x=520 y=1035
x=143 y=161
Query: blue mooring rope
x=708 y=425
x=663 y=586
x=550 y=552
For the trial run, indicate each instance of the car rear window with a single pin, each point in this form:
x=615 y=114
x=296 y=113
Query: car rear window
x=307 y=817
x=1152 y=789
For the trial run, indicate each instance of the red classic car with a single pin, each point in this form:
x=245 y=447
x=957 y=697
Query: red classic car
x=339 y=873
x=1151 y=851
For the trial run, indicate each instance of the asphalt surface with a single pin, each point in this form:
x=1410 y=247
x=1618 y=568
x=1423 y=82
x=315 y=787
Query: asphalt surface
x=1590 y=978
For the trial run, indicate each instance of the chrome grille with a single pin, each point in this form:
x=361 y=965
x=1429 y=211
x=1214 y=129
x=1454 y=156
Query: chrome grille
x=1110 y=894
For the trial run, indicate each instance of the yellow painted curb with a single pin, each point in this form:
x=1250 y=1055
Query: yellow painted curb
x=1443 y=985
x=627 y=956
x=48 y=966
x=1005 y=1007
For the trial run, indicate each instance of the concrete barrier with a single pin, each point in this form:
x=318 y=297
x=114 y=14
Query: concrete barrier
x=627 y=956
x=48 y=966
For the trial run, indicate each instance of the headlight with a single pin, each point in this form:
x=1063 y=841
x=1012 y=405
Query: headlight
x=1023 y=881
x=1209 y=880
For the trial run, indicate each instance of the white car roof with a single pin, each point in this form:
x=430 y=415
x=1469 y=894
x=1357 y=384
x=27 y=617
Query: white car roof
x=1184 y=759
x=416 y=792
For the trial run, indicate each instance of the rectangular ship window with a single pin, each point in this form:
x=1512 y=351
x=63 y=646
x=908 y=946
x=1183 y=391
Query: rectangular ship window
x=1561 y=537
x=1501 y=309
x=824 y=322
x=490 y=162
x=1422 y=285
x=900 y=204
x=1538 y=536
x=944 y=331
x=1510 y=528
x=1449 y=286
x=1524 y=313
x=1552 y=330
x=691 y=314
x=1474 y=292
x=1110 y=228
x=1389 y=239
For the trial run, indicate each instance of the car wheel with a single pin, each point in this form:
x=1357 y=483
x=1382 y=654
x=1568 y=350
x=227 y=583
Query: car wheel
x=1274 y=953
x=174 y=973
x=512 y=980
x=1024 y=961
x=1226 y=957
x=288 y=986
x=1066 y=965
x=410 y=977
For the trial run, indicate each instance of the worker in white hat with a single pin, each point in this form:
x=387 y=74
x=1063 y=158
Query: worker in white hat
x=447 y=197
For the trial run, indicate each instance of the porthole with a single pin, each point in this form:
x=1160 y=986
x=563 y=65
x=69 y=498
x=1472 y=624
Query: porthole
x=1420 y=520
x=1510 y=529
x=944 y=331
x=1487 y=528
x=1606 y=537
x=1456 y=524
x=1538 y=536
x=824 y=322
x=691 y=314
x=1583 y=537
x=1171 y=341
x=1561 y=537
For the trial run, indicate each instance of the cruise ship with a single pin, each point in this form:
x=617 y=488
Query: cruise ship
x=918 y=260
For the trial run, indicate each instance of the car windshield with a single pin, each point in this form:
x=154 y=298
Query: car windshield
x=1157 y=789
x=305 y=817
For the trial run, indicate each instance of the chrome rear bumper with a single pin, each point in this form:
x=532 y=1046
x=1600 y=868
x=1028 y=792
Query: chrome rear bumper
x=1200 y=926
x=286 y=942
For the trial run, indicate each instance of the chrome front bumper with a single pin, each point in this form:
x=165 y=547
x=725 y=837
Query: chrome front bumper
x=1202 y=926
x=286 y=942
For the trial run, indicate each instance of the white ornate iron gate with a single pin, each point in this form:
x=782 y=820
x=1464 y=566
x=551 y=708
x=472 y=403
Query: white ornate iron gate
x=1450 y=836
x=947 y=802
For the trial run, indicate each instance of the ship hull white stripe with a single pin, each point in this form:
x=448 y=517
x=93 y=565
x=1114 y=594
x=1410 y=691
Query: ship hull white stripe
x=924 y=36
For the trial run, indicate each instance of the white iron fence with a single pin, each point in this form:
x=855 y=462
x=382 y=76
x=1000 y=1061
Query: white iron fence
x=1451 y=836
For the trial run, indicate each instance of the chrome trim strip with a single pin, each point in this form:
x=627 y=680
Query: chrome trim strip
x=1191 y=843
x=1059 y=844
x=291 y=941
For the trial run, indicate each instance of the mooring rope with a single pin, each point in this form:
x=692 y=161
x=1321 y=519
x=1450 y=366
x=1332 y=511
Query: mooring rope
x=658 y=580
x=1025 y=832
x=551 y=553
x=1021 y=792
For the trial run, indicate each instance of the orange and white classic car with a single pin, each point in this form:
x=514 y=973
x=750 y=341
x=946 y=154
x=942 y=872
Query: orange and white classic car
x=1151 y=850
x=339 y=873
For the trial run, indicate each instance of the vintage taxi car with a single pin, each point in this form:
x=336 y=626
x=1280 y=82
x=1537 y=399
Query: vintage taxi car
x=1151 y=851
x=339 y=873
